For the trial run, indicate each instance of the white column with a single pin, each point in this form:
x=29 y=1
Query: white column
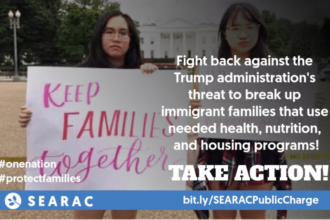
x=171 y=45
x=196 y=44
x=159 y=44
x=184 y=44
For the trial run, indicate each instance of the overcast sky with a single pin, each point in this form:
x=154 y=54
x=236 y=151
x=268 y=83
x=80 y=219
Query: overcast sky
x=200 y=10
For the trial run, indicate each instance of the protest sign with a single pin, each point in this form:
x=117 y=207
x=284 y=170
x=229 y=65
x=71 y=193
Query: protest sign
x=104 y=126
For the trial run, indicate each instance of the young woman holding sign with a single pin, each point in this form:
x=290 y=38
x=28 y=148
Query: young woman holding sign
x=242 y=33
x=115 y=44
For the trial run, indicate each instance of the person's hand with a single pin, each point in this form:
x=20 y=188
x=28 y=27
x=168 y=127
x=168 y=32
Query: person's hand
x=320 y=100
x=195 y=104
x=24 y=116
x=148 y=68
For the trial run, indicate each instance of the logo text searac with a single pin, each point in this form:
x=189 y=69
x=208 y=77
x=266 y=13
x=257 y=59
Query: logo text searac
x=64 y=201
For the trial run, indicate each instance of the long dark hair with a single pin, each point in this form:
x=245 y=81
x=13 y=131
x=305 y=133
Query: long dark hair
x=261 y=49
x=98 y=58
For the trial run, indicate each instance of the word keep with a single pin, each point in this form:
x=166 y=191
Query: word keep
x=58 y=95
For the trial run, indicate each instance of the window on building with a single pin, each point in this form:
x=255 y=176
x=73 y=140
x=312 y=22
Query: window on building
x=152 y=54
x=204 y=52
x=204 y=40
x=214 y=39
x=189 y=53
x=142 y=40
x=152 y=40
x=142 y=54
x=166 y=54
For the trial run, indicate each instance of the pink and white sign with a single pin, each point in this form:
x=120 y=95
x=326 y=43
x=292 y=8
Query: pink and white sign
x=105 y=126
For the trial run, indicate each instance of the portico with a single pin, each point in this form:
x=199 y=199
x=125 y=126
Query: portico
x=178 y=37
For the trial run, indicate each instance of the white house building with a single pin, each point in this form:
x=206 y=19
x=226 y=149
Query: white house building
x=178 y=37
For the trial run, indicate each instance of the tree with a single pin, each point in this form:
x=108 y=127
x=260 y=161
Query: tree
x=279 y=35
x=102 y=5
x=137 y=25
x=38 y=25
x=302 y=40
x=2 y=58
x=293 y=39
x=325 y=33
x=47 y=15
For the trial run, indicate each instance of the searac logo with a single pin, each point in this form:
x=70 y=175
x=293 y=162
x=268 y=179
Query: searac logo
x=13 y=201
x=62 y=201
